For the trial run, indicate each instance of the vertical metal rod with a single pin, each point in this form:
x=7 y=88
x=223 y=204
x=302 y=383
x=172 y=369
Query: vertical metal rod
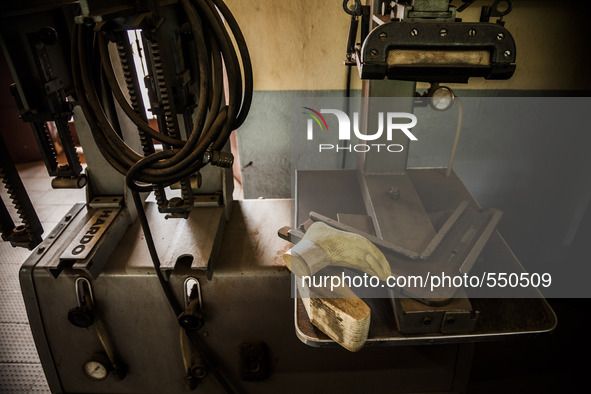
x=457 y=137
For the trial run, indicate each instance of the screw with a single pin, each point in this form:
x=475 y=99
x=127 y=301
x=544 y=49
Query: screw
x=383 y=36
x=374 y=52
x=443 y=32
x=427 y=321
x=414 y=32
x=472 y=33
x=500 y=36
x=451 y=320
x=507 y=53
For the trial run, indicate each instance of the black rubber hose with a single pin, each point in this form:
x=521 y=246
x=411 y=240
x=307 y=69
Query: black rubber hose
x=214 y=120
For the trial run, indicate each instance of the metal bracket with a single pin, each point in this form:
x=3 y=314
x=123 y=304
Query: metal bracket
x=374 y=60
x=106 y=202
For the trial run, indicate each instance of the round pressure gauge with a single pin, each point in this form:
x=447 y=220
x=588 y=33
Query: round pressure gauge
x=97 y=367
x=442 y=98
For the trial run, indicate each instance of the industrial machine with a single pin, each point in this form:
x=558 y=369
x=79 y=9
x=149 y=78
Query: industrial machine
x=188 y=289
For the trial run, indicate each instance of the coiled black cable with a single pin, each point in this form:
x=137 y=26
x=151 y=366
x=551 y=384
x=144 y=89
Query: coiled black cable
x=214 y=120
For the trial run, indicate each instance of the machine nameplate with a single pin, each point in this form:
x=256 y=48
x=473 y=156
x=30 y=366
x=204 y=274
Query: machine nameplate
x=83 y=243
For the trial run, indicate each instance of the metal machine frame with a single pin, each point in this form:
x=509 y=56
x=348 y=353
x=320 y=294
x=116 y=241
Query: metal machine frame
x=99 y=301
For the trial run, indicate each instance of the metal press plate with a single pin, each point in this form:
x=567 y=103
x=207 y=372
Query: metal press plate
x=499 y=318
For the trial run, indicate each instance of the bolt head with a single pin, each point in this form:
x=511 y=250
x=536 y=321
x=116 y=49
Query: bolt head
x=414 y=32
x=443 y=32
x=500 y=36
x=374 y=52
x=472 y=33
x=383 y=36
x=507 y=53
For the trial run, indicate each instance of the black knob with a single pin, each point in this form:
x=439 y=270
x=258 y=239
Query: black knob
x=81 y=316
x=191 y=320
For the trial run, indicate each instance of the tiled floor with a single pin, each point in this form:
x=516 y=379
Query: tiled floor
x=20 y=369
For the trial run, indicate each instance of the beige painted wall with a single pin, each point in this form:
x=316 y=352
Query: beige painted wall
x=300 y=45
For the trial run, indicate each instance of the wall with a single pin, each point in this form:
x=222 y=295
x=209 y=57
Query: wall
x=301 y=45
x=298 y=51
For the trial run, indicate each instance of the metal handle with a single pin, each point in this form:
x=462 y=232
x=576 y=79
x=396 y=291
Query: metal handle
x=190 y=284
x=80 y=296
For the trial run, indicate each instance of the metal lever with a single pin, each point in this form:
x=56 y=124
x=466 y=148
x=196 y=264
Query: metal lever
x=191 y=286
x=82 y=315
x=495 y=11
x=191 y=318
x=357 y=10
x=86 y=314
